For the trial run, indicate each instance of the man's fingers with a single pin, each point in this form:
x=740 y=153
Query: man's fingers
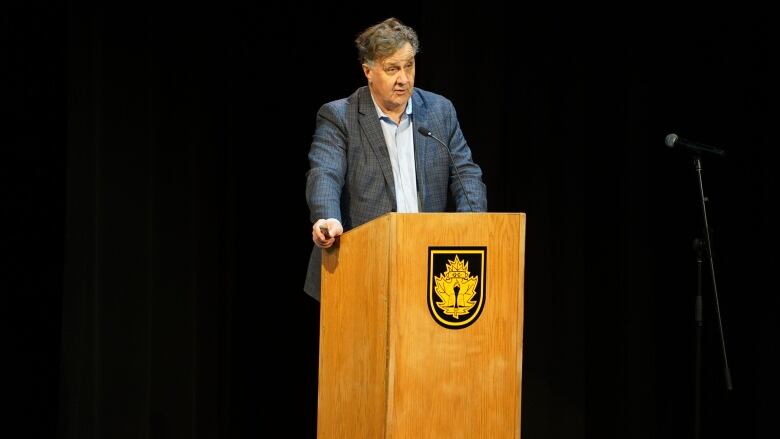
x=321 y=232
x=316 y=231
x=324 y=243
x=320 y=238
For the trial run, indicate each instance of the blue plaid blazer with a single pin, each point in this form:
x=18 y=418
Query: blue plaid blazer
x=350 y=177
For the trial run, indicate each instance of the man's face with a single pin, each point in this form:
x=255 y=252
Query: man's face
x=391 y=79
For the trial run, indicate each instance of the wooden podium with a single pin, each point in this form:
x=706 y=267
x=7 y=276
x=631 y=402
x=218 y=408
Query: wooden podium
x=421 y=328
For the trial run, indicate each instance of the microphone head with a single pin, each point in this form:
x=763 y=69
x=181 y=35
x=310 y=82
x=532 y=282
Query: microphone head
x=424 y=131
x=670 y=139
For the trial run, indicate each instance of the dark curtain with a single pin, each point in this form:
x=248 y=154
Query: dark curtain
x=175 y=233
x=32 y=212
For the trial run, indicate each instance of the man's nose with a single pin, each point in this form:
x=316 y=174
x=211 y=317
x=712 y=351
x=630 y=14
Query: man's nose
x=403 y=77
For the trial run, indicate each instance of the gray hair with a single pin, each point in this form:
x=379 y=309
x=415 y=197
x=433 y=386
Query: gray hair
x=383 y=39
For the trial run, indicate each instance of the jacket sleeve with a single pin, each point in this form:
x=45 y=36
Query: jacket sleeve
x=327 y=165
x=470 y=172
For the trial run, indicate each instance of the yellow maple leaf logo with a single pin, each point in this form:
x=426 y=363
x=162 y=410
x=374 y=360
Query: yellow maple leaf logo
x=455 y=287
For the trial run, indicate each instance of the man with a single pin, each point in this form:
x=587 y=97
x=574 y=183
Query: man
x=367 y=157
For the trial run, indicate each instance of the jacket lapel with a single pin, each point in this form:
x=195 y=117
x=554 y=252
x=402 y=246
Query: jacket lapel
x=369 y=123
x=421 y=145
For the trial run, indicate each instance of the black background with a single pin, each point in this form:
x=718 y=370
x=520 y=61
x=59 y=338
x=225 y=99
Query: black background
x=157 y=231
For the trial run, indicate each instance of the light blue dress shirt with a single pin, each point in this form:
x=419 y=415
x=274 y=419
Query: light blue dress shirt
x=400 y=146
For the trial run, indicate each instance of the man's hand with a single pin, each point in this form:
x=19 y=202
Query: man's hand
x=325 y=231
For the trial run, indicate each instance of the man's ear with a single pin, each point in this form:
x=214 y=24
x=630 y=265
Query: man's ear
x=367 y=71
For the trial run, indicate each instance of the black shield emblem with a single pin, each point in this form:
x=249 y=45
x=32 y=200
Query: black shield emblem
x=456 y=285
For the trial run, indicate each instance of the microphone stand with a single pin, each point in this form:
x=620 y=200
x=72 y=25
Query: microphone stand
x=697 y=246
x=698 y=312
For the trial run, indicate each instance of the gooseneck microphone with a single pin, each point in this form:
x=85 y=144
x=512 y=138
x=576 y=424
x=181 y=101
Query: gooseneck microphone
x=674 y=141
x=427 y=133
